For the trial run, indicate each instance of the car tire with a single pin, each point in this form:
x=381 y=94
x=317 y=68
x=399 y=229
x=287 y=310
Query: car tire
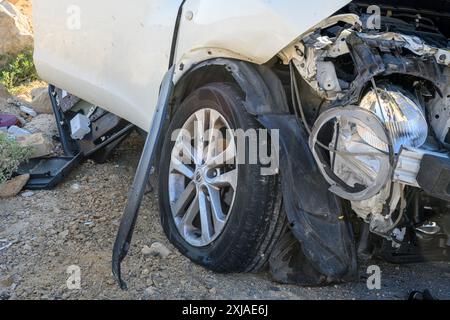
x=254 y=220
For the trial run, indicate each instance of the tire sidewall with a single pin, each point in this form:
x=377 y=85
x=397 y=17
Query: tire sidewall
x=224 y=100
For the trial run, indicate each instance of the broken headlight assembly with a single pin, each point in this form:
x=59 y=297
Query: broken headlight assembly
x=366 y=139
x=378 y=104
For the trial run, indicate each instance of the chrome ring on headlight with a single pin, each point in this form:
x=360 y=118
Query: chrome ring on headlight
x=364 y=119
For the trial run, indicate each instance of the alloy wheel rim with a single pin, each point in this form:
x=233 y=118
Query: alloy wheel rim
x=203 y=177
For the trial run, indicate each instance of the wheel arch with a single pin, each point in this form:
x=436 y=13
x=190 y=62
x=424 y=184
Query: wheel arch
x=260 y=87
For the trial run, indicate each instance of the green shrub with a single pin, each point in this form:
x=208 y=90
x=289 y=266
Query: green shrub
x=11 y=156
x=18 y=70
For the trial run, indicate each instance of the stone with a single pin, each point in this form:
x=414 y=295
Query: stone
x=41 y=101
x=213 y=291
x=12 y=187
x=40 y=145
x=75 y=187
x=157 y=249
x=27 y=194
x=146 y=251
x=6 y=282
x=15 y=30
x=64 y=234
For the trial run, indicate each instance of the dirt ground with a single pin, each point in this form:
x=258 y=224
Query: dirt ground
x=76 y=223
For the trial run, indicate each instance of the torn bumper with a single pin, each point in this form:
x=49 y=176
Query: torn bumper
x=316 y=216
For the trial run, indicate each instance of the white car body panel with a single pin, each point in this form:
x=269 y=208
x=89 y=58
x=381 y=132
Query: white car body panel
x=120 y=53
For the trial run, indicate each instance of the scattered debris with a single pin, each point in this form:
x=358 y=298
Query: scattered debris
x=12 y=187
x=15 y=131
x=28 y=111
x=41 y=146
x=8 y=120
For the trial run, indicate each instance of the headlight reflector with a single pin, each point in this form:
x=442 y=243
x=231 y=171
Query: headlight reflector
x=403 y=118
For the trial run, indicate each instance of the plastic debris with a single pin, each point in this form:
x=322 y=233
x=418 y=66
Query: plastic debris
x=28 y=111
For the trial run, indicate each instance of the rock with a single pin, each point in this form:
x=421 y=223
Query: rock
x=15 y=30
x=27 y=194
x=157 y=249
x=146 y=251
x=40 y=145
x=64 y=234
x=213 y=291
x=6 y=282
x=12 y=187
x=41 y=101
x=75 y=188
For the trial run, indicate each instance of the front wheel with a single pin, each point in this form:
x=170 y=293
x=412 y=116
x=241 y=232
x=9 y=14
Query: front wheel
x=219 y=213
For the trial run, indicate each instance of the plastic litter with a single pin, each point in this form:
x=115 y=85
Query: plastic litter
x=16 y=131
x=28 y=111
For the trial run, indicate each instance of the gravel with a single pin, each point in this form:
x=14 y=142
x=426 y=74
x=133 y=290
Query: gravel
x=76 y=224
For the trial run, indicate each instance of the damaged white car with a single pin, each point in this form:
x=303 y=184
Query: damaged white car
x=355 y=94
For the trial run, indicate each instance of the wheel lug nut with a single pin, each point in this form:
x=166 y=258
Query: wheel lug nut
x=212 y=173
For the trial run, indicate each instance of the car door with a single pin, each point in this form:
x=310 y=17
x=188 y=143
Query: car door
x=111 y=53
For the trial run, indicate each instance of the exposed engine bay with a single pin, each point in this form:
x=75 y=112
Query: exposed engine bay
x=373 y=92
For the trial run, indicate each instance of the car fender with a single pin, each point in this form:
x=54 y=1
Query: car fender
x=252 y=30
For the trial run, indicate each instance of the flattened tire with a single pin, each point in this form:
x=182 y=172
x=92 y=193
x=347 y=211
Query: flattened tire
x=254 y=220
